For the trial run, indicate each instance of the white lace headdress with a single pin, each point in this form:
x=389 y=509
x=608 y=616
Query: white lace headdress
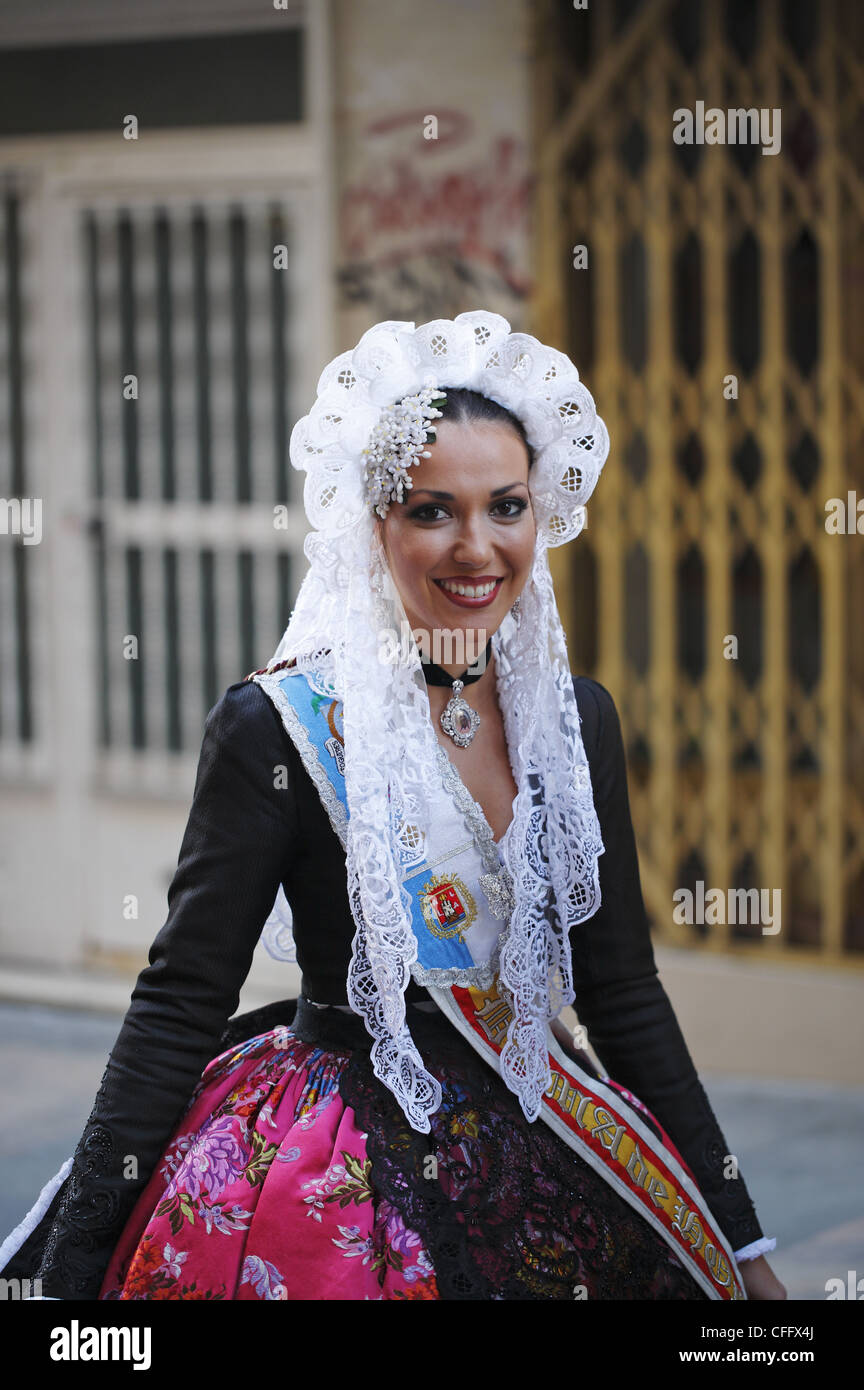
x=348 y=599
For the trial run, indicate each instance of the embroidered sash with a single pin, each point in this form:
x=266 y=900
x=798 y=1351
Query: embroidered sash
x=461 y=899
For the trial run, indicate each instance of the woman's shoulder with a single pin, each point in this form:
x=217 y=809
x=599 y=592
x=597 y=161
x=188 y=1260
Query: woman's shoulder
x=597 y=712
x=244 y=714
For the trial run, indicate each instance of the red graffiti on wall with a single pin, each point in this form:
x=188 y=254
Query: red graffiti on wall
x=422 y=203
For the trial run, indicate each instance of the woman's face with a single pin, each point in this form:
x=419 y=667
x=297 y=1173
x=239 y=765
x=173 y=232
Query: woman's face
x=466 y=522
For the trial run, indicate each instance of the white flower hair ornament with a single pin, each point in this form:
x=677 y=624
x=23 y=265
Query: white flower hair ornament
x=397 y=441
x=370 y=424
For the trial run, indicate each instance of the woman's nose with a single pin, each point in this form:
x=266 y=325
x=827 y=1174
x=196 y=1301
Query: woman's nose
x=472 y=545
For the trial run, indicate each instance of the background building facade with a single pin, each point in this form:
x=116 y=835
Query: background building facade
x=203 y=203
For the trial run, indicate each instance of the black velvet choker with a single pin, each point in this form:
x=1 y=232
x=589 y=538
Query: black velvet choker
x=436 y=675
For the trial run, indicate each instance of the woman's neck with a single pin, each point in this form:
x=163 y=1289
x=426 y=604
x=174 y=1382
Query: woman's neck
x=480 y=694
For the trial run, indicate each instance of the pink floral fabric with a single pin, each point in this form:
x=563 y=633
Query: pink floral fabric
x=264 y=1193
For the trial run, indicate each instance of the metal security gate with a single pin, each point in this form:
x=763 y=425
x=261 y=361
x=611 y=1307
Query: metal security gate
x=718 y=324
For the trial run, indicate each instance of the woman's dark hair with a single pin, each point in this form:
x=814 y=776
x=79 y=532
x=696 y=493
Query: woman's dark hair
x=465 y=407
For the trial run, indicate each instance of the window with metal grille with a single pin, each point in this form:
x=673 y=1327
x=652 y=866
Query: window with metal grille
x=197 y=522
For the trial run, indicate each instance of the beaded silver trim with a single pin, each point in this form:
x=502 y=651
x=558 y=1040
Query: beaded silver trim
x=470 y=977
x=431 y=864
x=499 y=894
x=496 y=882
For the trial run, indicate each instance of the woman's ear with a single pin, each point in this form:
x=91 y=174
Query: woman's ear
x=378 y=545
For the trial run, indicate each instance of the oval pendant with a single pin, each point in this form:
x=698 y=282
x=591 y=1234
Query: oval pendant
x=459 y=720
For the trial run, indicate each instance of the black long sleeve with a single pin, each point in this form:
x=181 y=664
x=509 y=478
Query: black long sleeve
x=238 y=845
x=619 y=998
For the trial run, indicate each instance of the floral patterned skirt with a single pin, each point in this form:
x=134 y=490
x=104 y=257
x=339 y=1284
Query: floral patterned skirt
x=294 y=1175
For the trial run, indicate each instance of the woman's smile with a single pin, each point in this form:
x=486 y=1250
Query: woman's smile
x=467 y=592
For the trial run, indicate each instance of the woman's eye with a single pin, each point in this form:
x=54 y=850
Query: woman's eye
x=422 y=513
x=516 y=505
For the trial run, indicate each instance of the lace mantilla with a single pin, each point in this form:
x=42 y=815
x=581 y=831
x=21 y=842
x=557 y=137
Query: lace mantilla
x=348 y=600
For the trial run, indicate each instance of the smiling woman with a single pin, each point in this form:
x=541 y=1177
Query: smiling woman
x=412 y=1126
x=462 y=542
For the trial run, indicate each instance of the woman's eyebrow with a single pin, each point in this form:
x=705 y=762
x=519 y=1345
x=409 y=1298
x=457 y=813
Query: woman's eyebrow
x=448 y=496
